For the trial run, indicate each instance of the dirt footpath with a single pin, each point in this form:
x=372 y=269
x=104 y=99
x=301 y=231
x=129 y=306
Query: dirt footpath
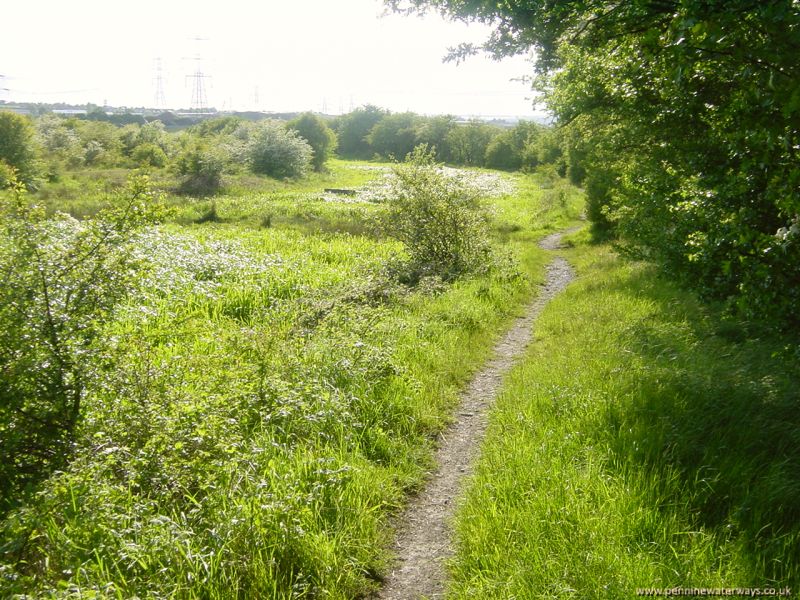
x=424 y=540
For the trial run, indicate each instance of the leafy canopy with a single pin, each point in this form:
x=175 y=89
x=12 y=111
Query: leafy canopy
x=688 y=116
x=17 y=148
x=319 y=136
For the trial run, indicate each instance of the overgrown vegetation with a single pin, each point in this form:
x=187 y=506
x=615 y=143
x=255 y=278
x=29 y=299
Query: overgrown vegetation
x=256 y=394
x=61 y=280
x=687 y=114
x=319 y=136
x=17 y=150
x=440 y=220
x=56 y=155
x=275 y=151
x=645 y=441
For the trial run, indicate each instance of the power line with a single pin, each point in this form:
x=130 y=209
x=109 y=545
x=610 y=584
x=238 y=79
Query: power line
x=199 y=100
x=161 y=102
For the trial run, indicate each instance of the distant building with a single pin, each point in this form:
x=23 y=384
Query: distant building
x=70 y=112
x=20 y=110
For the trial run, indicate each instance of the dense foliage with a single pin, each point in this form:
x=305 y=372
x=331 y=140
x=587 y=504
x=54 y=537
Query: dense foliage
x=17 y=149
x=319 y=136
x=440 y=220
x=690 y=116
x=394 y=136
x=61 y=278
x=368 y=132
x=201 y=166
x=353 y=129
x=275 y=151
x=214 y=154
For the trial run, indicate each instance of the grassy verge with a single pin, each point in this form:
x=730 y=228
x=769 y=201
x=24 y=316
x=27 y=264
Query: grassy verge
x=644 y=442
x=263 y=405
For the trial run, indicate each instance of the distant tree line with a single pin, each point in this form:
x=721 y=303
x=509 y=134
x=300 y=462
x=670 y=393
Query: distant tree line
x=43 y=148
x=202 y=154
x=369 y=132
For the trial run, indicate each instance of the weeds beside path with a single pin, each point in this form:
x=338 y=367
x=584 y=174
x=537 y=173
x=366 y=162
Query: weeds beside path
x=424 y=540
x=644 y=441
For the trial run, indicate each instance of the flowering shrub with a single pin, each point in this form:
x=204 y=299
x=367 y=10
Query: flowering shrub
x=441 y=221
x=62 y=278
x=275 y=151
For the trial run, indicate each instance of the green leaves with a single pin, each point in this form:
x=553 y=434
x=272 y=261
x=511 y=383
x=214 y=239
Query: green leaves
x=688 y=117
x=61 y=279
x=275 y=151
x=17 y=149
x=318 y=135
x=440 y=220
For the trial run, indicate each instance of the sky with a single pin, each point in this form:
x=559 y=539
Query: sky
x=321 y=55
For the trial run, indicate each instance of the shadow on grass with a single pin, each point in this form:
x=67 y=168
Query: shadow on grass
x=721 y=408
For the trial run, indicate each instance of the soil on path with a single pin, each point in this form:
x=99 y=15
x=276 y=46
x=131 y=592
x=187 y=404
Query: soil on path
x=423 y=542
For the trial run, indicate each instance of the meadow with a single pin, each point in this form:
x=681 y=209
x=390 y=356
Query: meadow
x=235 y=395
x=267 y=393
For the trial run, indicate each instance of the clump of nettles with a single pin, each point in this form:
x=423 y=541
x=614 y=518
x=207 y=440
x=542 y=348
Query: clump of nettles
x=441 y=221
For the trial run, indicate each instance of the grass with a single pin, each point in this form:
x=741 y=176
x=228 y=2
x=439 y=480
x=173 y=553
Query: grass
x=83 y=192
x=265 y=402
x=645 y=441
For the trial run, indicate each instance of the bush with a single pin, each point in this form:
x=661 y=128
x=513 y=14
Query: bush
x=277 y=152
x=441 y=221
x=201 y=168
x=599 y=184
x=100 y=141
x=60 y=142
x=149 y=155
x=318 y=135
x=64 y=278
x=16 y=144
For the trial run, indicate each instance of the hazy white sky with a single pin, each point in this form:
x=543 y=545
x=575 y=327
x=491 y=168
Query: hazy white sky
x=267 y=55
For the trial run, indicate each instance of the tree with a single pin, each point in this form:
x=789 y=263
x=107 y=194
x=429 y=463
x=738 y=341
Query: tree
x=17 y=148
x=149 y=155
x=217 y=126
x=433 y=132
x=507 y=149
x=354 y=128
x=100 y=142
x=692 y=108
x=468 y=143
x=59 y=140
x=318 y=135
x=394 y=136
x=275 y=151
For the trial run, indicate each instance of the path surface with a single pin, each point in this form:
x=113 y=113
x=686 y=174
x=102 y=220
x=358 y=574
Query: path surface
x=424 y=540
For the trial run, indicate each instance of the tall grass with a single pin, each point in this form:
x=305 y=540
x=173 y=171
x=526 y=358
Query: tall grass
x=644 y=442
x=265 y=401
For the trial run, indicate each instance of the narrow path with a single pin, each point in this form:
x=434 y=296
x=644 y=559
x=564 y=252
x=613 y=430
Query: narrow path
x=424 y=541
